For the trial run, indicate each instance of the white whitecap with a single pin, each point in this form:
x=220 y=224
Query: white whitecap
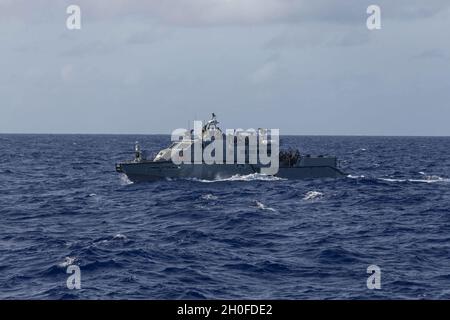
x=355 y=177
x=120 y=236
x=67 y=262
x=312 y=195
x=124 y=180
x=427 y=179
x=209 y=196
x=262 y=206
x=392 y=180
x=248 y=177
x=430 y=179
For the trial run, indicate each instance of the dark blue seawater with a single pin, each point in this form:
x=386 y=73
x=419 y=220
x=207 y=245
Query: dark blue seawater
x=61 y=202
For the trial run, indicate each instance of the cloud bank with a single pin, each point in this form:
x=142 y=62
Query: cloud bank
x=225 y=12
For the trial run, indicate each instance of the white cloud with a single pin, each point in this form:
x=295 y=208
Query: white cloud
x=265 y=72
x=66 y=72
x=218 y=12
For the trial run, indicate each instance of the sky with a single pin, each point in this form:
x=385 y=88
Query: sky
x=304 y=67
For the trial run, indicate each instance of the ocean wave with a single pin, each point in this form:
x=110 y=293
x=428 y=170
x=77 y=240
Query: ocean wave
x=106 y=240
x=248 y=177
x=262 y=206
x=120 y=236
x=355 y=177
x=209 y=196
x=182 y=243
x=102 y=264
x=67 y=262
x=338 y=254
x=427 y=179
x=313 y=195
x=124 y=181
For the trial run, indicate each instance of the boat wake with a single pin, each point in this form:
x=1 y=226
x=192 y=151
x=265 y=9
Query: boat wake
x=124 y=181
x=248 y=177
x=425 y=179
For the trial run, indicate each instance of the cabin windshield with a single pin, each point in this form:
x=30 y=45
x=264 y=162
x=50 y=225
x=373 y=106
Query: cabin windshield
x=180 y=145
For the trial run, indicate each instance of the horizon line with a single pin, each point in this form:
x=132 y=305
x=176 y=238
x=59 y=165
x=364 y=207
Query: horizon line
x=166 y=134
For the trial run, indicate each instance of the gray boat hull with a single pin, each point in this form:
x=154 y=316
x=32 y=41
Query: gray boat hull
x=307 y=168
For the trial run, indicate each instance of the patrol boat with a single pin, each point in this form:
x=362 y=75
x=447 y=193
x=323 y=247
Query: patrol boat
x=291 y=164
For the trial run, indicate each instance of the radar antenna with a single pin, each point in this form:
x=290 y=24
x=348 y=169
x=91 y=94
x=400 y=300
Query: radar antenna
x=213 y=123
